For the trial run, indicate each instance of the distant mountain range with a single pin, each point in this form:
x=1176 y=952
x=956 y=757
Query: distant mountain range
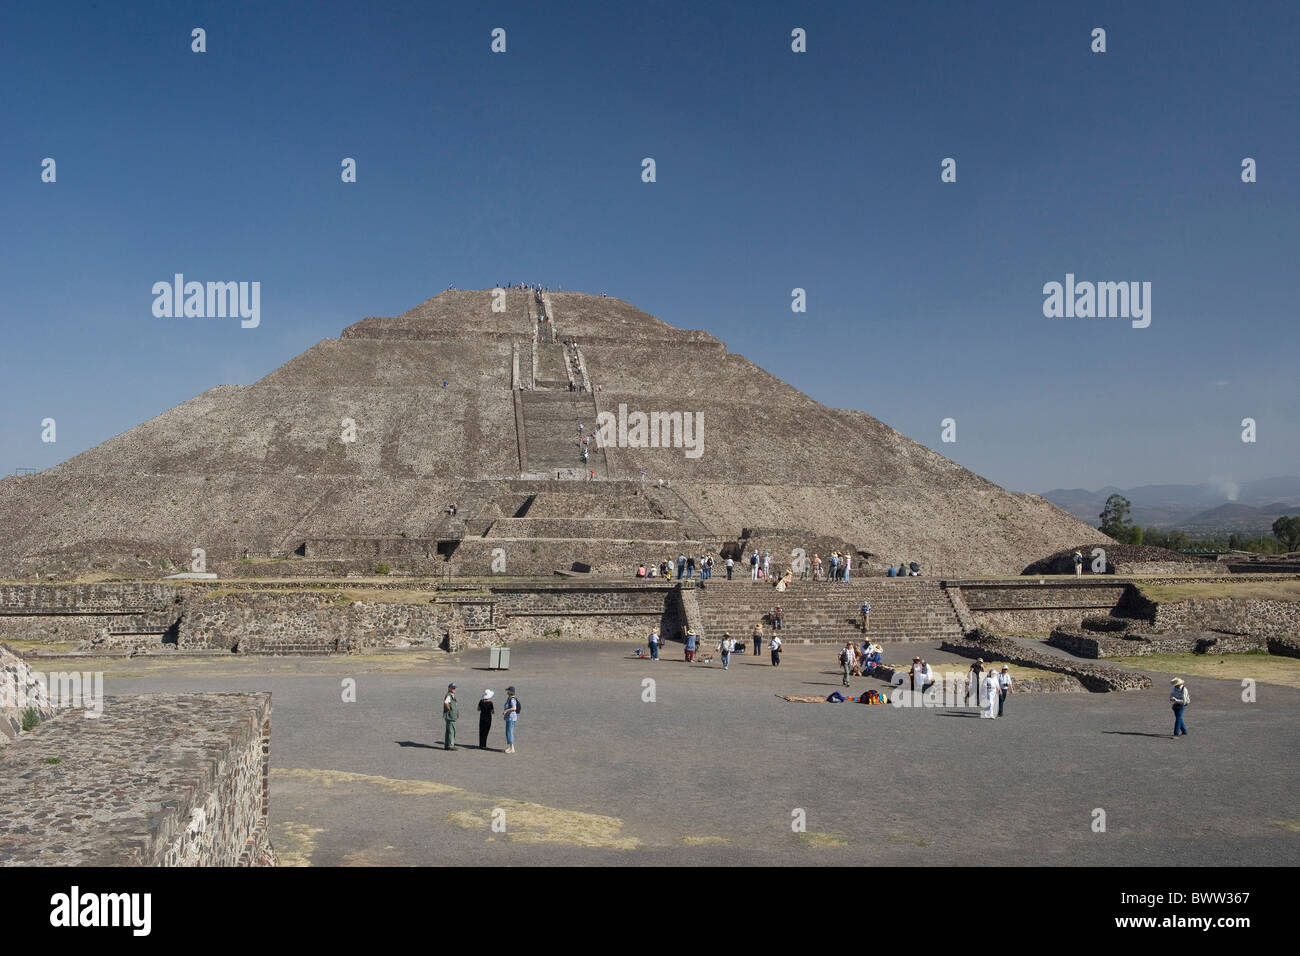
x=1246 y=508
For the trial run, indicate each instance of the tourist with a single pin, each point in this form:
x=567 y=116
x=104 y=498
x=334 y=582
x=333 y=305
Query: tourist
x=654 y=645
x=775 y=646
x=973 y=681
x=690 y=567
x=651 y=572
x=450 y=711
x=690 y=646
x=1179 y=698
x=726 y=647
x=990 y=694
x=846 y=661
x=865 y=612
x=730 y=566
x=511 y=714
x=892 y=572
x=753 y=566
x=485 y=710
x=1078 y=564
x=927 y=676
x=778 y=618
x=785 y=580
x=758 y=638
x=640 y=571
x=681 y=566
x=848 y=566
x=1004 y=688
x=817 y=567
x=835 y=566
x=767 y=563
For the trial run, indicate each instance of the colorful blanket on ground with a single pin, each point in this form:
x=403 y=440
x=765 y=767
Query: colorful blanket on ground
x=870 y=697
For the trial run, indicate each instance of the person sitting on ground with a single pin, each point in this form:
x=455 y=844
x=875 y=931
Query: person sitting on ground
x=778 y=620
x=892 y=572
x=640 y=571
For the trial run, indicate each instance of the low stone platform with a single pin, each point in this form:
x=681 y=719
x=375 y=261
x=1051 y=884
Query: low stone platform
x=155 y=780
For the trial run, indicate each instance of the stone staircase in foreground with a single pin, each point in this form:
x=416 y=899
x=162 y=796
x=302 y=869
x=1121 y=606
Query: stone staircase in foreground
x=902 y=610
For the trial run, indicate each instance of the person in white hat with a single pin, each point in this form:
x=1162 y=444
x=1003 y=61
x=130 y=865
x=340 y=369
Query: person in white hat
x=1004 y=687
x=1179 y=697
x=485 y=711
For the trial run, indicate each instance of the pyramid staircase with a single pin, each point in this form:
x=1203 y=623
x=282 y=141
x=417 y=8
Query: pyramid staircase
x=820 y=612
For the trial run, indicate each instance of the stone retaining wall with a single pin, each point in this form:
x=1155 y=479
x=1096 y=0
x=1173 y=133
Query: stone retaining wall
x=130 y=596
x=1141 y=644
x=253 y=622
x=1232 y=615
x=156 y=780
x=1029 y=607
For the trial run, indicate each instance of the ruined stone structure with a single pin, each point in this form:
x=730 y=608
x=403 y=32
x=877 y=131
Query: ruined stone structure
x=155 y=780
x=351 y=454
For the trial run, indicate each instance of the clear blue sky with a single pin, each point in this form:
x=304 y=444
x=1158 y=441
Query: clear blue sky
x=775 y=170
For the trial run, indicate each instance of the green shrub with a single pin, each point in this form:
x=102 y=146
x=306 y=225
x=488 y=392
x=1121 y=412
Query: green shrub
x=382 y=568
x=31 y=717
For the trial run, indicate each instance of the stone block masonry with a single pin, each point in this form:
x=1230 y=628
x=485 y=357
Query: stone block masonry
x=157 y=780
x=19 y=691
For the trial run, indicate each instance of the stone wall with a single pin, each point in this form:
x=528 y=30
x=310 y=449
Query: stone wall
x=324 y=622
x=20 y=690
x=1030 y=607
x=156 y=780
x=1232 y=616
x=328 y=621
x=132 y=596
x=1141 y=644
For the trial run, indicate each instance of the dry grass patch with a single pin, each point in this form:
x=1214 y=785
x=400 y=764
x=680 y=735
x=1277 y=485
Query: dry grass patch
x=1263 y=668
x=1286 y=589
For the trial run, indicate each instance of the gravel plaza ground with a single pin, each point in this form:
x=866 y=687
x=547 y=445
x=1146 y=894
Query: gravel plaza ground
x=716 y=768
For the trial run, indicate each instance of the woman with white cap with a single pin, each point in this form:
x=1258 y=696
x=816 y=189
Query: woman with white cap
x=485 y=711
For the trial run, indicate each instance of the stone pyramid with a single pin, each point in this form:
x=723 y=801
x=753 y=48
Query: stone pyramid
x=352 y=453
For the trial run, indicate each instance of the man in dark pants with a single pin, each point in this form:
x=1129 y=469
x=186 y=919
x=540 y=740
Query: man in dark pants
x=775 y=645
x=1004 y=687
x=485 y=710
x=1179 y=698
x=450 y=711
